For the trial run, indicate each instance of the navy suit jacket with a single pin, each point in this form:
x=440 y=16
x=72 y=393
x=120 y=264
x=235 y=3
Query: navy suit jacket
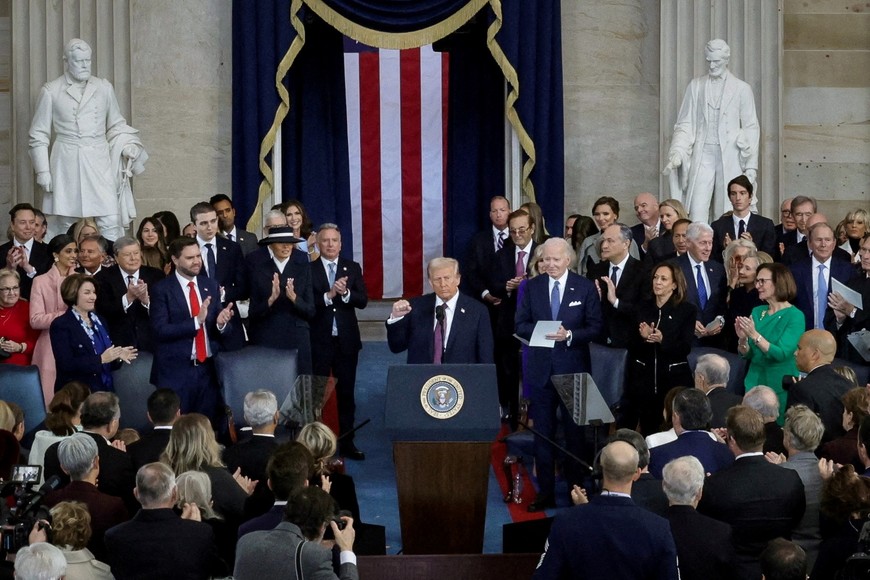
x=621 y=323
x=759 y=227
x=131 y=327
x=612 y=538
x=175 y=330
x=716 y=293
x=712 y=454
x=801 y=251
x=469 y=341
x=343 y=313
x=579 y=311
x=245 y=239
x=479 y=262
x=230 y=273
x=804 y=276
x=74 y=353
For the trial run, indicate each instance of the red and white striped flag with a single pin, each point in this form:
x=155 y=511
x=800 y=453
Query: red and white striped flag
x=397 y=136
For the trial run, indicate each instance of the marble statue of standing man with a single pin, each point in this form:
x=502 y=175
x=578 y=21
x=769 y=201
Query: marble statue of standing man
x=715 y=138
x=94 y=153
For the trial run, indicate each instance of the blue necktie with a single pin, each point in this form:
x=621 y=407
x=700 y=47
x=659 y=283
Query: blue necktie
x=499 y=242
x=331 y=277
x=554 y=301
x=702 y=288
x=212 y=264
x=821 y=297
x=613 y=274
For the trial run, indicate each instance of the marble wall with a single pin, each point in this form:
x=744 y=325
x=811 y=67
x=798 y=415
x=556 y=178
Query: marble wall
x=826 y=103
x=178 y=92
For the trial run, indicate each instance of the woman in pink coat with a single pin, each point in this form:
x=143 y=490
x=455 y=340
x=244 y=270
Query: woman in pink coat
x=46 y=305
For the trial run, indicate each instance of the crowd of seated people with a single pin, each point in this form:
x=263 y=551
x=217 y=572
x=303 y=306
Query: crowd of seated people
x=78 y=306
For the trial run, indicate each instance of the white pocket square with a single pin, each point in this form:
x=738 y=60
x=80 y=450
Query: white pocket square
x=575 y=303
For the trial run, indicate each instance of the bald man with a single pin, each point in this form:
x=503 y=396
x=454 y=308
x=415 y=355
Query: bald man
x=822 y=389
x=611 y=537
x=646 y=208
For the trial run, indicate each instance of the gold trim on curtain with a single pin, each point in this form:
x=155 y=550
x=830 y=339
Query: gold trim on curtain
x=395 y=41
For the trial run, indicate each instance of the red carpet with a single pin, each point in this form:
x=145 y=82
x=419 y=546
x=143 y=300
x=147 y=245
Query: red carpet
x=519 y=511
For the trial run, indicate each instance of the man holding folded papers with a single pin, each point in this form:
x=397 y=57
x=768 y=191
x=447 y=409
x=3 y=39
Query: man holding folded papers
x=567 y=297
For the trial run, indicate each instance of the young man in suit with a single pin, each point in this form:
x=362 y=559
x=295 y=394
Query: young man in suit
x=742 y=223
x=565 y=296
x=226 y=214
x=187 y=322
x=23 y=253
x=761 y=501
x=445 y=327
x=123 y=299
x=611 y=537
x=164 y=407
x=813 y=277
x=339 y=289
x=222 y=262
x=621 y=281
x=704 y=545
x=705 y=282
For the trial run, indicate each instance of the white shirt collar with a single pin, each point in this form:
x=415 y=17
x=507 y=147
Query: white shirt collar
x=622 y=264
x=826 y=263
x=527 y=249
x=451 y=304
x=561 y=280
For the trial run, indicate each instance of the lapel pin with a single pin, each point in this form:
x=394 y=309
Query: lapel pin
x=462 y=310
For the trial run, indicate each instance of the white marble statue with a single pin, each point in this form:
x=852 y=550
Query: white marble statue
x=715 y=138
x=95 y=152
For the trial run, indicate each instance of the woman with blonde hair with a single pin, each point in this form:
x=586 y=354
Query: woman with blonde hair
x=192 y=447
x=733 y=256
x=321 y=442
x=194 y=487
x=71 y=532
x=662 y=247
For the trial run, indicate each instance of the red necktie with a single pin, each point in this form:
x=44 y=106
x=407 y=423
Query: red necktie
x=200 y=334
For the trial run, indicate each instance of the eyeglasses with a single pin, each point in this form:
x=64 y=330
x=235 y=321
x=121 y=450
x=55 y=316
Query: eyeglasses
x=785 y=212
x=9 y=290
x=520 y=231
x=762 y=281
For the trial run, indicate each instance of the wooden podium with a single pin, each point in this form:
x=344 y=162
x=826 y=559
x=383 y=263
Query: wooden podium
x=442 y=420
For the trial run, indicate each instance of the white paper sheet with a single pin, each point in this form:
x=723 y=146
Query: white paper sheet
x=542 y=329
x=852 y=297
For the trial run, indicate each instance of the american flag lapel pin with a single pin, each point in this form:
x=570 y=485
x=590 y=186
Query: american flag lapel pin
x=462 y=310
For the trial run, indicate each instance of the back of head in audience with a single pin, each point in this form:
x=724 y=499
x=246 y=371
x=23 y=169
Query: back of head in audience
x=683 y=481
x=155 y=486
x=78 y=456
x=192 y=445
x=637 y=441
x=7 y=417
x=764 y=400
x=619 y=464
x=321 y=442
x=289 y=469
x=856 y=405
x=310 y=508
x=803 y=429
x=712 y=370
x=164 y=407
x=39 y=561
x=668 y=411
x=194 y=487
x=70 y=525
x=745 y=429
x=693 y=410
x=783 y=560
x=101 y=411
x=64 y=411
x=18 y=413
x=848 y=373
x=261 y=410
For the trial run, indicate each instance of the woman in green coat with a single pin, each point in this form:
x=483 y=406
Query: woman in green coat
x=769 y=337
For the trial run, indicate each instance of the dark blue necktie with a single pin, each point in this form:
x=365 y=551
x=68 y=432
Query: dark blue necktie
x=554 y=301
x=702 y=288
x=212 y=264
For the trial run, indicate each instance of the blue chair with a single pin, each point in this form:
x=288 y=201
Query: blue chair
x=21 y=385
x=739 y=366
x=133 y=387
x=608 y=371
x=251 y=368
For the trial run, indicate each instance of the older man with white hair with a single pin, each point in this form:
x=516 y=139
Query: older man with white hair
x=251 y=456
x=705 y=283
x=40 y=561
x=711 y=378
x=765 y=400
x=572 y=300
x=703 y=544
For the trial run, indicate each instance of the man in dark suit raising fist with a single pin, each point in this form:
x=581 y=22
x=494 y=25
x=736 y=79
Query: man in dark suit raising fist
x=339 y=290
